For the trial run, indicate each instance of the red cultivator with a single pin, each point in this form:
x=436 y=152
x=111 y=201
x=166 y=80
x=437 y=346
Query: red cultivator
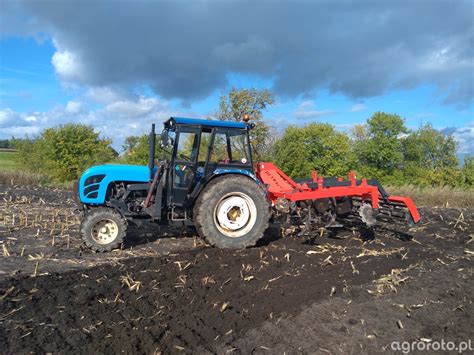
x=322 y=202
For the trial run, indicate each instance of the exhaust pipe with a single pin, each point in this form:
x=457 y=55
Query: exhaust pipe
x=151 y=153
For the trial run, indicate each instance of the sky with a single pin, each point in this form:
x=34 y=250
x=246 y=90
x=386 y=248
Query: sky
x=120 y=65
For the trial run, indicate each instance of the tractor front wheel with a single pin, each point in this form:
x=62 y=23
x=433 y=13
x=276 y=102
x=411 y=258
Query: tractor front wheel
x=232 y=212
x=103 y=229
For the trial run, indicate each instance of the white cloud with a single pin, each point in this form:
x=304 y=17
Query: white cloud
x=465 y=138
x=7 y=117
x=106 y=94
x=134 y=108
x=358 y=107
x=306 y=110
x=17 y=124
x=75 y=107
x=19 y=131
x=67 y=65
x=116 y=120
x=30 y=119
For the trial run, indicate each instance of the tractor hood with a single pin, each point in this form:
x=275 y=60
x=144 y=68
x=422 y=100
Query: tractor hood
x=94 y=181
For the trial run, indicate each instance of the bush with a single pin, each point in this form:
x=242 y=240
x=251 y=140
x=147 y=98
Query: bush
x=468 y=171
x=316 y=146
x=63 y=152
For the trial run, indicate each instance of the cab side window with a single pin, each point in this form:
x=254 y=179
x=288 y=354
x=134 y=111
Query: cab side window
x=219 y=151
x=203 y=147
x=238 y=148
x=230 y=147
x=186 y=149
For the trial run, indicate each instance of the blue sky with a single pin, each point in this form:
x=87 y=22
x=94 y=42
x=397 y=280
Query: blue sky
x=53 y=71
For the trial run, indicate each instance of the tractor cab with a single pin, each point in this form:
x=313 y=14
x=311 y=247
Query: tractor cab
x=200 y=150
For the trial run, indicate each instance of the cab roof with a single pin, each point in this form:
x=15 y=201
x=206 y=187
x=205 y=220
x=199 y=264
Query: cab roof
x=201 y=122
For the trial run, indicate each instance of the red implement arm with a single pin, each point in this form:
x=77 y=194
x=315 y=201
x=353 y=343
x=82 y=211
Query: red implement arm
x=279 y=185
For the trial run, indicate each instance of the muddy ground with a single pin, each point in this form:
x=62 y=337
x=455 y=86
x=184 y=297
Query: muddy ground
x=344 y=293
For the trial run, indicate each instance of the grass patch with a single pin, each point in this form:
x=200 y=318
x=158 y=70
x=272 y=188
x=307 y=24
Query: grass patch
x=436 y=196
x=7 y=159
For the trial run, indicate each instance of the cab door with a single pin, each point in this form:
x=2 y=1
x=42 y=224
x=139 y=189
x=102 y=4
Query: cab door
x=183 y=174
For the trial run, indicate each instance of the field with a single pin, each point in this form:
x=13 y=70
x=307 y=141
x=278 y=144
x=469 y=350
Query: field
x=348 y=292
x=7 y=159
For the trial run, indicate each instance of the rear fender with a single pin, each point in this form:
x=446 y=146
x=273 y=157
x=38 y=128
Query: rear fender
x=222 y=172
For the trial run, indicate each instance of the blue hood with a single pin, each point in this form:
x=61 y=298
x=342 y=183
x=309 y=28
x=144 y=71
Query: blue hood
x=94 y=181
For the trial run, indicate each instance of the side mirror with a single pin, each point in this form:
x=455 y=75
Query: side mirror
x=164 y=138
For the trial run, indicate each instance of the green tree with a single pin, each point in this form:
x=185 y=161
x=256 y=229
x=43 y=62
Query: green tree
x=29 y=156
x=6 y=143
x=138 y=152
x=130 y=144
x=430 y=149
x=430 y=158
x=468 y=171
x=252 y=102
x=70 y=149
x=64 y=152
x=378 y=147
x=316 y=146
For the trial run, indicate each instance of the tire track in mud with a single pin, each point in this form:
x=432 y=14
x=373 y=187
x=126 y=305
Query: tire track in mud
x=199 y=298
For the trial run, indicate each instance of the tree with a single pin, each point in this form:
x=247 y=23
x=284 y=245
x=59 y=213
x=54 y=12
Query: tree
x=6 y=143
x=130 y=144
x=29 y=156
x=64 y=152
x=430 y=158
x=430 y=149
x=360 y=132
x=316 y=146
x=138 y=150
x=237 y=103
x=468 y=171
x=378 y=147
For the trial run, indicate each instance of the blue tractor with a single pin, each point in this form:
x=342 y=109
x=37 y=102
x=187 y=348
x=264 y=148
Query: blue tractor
x=206 y=179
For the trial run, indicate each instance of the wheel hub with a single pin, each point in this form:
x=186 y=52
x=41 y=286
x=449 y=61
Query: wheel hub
x=235 y=214
x=105 y=231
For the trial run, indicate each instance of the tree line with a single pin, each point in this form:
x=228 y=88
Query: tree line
x=382 y=148
x=6 y=144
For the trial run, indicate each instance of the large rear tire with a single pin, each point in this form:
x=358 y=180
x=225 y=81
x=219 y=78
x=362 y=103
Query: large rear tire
x=232 y=212
x=103 y=229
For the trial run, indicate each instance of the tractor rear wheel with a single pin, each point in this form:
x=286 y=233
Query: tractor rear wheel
x=103 y=229
x=232 y=212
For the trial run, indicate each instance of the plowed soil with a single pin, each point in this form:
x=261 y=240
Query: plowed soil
x=168 y=292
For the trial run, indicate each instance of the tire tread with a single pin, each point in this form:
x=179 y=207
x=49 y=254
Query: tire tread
x=204 y=220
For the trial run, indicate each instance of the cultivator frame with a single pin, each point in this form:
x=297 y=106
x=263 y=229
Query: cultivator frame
x=368 y=199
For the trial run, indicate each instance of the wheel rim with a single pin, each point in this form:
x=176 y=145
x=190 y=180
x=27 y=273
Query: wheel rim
x=105 y=231
x=235 y=214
